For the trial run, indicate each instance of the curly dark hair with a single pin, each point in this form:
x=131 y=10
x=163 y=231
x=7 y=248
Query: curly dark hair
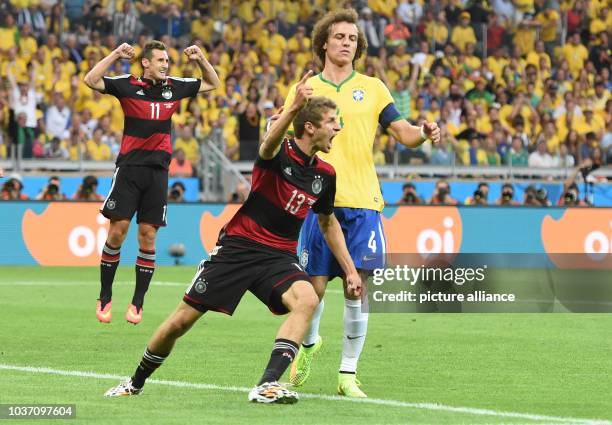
x=320 y=33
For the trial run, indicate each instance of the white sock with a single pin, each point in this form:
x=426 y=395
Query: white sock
x=355 y=329
x=312 y=334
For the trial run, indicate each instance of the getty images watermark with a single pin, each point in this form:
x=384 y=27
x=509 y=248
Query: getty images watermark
x=412 y=276
x=488 y=283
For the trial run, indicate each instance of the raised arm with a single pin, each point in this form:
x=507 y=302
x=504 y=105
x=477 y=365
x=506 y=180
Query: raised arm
x=331 y=230
x=413 y=78
x=210 y=79
x=93 y=79
x=276 y=133
x=571 y=178
x=263 y=97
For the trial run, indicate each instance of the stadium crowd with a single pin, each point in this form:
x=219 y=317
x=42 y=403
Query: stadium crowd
x=520 y=82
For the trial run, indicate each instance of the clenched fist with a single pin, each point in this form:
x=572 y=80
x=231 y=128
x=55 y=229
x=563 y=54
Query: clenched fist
x=194 y=53
x=125 y=51
x=432 y=131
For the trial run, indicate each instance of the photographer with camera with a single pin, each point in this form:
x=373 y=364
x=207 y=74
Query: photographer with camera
x=441 y=194
x=481 y=195
x=507 y=196
x=11 y=189
x=410 y=196
x=88 y=191
x=177 y=192
x=536 y=197
x=571 y=193
x=52 y=191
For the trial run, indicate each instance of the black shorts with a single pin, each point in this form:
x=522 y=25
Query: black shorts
x=139 y=189
x=237 y=265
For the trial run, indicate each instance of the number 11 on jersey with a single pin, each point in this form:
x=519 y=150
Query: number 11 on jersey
x=154 y=111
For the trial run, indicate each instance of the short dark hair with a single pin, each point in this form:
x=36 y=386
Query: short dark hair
x=321 y=30
x=90 y=181
x=147 y=51
x=313 y=113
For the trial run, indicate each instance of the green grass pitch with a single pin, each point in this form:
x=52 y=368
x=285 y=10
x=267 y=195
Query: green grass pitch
x=416 y=369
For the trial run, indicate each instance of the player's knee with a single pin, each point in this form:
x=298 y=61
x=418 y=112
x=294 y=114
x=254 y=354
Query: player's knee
x=307 y=299
x=320 y=291
x=116 y=237
x=177 y=327
x=319 y=283
x=146 y=237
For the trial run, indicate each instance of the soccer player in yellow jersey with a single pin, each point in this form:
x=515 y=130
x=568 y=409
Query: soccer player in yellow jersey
x=363 y=103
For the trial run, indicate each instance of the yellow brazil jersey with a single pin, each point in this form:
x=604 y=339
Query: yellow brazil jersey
x=99 y=152
x=360 y=100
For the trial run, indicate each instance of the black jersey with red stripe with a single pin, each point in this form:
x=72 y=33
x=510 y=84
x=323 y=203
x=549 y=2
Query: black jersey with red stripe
x=148 y=110
x=283 y=190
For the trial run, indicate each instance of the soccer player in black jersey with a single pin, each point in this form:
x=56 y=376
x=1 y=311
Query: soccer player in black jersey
x=140 y=182
x=256 y=250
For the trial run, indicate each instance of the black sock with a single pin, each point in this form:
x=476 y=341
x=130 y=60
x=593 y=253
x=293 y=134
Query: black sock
x=145 y=266
x=283 y=353
x=150 y=361
x=108 y=267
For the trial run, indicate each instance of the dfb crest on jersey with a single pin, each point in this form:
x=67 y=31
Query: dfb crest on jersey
x=317 y=185
x=304 y=258
x=358 y=95
x=167 y=93
x=111 y=204
x=200 y=286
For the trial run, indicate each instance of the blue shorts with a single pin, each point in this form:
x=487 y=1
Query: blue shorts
x=365 y=240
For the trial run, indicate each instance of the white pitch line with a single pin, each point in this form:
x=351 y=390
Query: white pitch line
x=119 y=282
x=83 y=283
x=374 y=401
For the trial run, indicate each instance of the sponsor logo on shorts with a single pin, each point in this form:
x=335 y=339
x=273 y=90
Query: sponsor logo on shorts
x=200 y=286
x=111 y=204
x=304 y=258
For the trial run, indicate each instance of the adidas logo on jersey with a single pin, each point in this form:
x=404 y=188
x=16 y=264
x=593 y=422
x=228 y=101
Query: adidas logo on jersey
x=140 y=92
x=287 y=171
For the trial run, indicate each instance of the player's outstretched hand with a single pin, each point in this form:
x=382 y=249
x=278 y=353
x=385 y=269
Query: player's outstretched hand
x=303 y=92
x=125 y=51
x=194 y=53
x=432 y=131
x=273 y=118
x=353 y=284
